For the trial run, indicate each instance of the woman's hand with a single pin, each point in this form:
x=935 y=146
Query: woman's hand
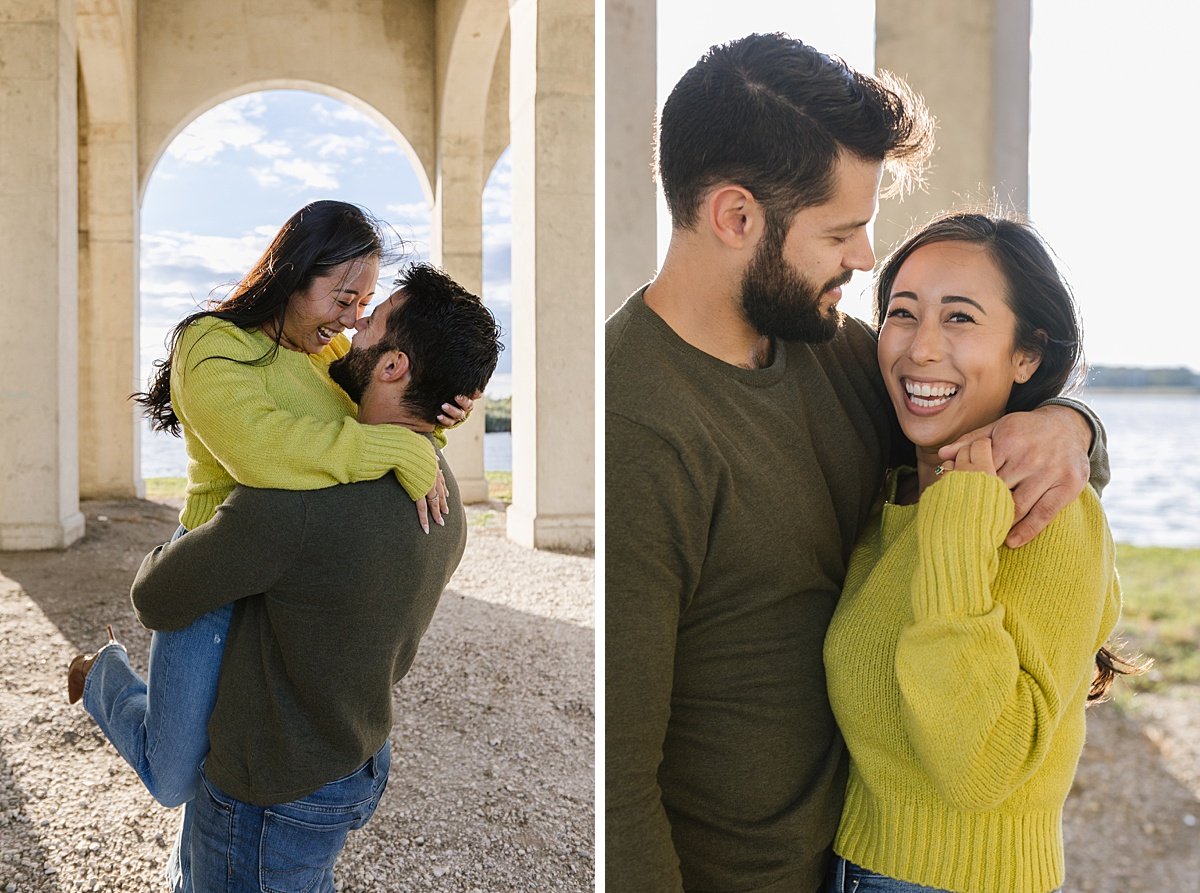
x=975 y=456
x=435 y=504
x=452 y=416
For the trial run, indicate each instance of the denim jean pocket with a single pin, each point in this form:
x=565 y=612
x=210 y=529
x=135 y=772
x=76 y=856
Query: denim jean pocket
x=295 y=854
x=301 y=840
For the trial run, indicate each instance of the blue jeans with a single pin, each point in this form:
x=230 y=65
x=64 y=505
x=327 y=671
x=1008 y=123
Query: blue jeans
x=287 y=848
x=846 y=877
x=160 y=725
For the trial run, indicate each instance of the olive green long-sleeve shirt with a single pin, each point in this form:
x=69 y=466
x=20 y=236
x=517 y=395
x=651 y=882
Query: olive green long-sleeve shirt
x=733 y=500
x=334 y=589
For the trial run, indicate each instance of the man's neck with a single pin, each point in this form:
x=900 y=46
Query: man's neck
x=383 y=412
x=701 y=305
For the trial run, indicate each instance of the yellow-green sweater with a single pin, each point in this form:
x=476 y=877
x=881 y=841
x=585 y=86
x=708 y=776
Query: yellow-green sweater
x=281 y=424
x=958 y=671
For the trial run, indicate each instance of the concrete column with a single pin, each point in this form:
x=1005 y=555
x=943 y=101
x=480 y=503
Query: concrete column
x=552 y=124
x=458 y=249
x=110 y=462
x=971 y=63
x=39 y=447
x=630 y=229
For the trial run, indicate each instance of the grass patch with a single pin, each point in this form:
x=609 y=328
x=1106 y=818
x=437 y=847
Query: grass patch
x=165 y=488
x=499 y=486
x=1161 y=614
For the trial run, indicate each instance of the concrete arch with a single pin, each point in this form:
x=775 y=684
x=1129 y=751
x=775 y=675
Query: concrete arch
x=98 y=89
x=419 y=166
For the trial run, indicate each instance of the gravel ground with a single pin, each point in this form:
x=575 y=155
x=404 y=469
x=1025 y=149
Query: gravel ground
x=492 y=783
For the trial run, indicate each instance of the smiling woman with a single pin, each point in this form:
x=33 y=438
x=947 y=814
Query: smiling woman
x=976 y=322
x=216 y=196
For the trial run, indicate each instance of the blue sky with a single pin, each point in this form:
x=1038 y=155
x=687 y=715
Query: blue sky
x=1111 y=187
x=223 y=187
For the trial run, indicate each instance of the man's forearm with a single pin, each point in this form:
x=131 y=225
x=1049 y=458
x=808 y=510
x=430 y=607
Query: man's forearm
x=240 y=552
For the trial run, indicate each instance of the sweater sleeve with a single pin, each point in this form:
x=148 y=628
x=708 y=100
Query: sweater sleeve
x=1098 y=454
x=223 y=401
x=652 y=546
x=211 y=566
x=994 y=657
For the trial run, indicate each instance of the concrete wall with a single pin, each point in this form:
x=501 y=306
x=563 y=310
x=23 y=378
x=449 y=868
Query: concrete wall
x=39 y=446
x=192 y=56
x=971 y=63
x=93 y=91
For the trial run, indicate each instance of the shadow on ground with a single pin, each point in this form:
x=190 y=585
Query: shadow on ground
x=492 y=781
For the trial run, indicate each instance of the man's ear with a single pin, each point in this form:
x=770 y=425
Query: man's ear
x=734 y=216
x=393 y=366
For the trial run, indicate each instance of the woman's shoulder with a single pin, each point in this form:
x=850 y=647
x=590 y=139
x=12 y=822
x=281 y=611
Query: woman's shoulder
x=1077 y=538
x=211 y=336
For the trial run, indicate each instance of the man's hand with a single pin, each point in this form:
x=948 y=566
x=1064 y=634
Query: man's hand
x=1042 y=456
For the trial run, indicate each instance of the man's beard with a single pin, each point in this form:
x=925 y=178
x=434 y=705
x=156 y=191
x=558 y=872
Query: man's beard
x=352 y=373
x=779 y=303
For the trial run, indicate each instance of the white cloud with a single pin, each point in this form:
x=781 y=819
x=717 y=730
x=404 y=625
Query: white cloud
x=173 y=261
x=409 y=212
x=296 y=173
x=273 y=149
x=310 y=174
x=265 y=177
x=322 y=112
x=225 y=126
x=497 y=293
x=338 y=145
x=497 y=234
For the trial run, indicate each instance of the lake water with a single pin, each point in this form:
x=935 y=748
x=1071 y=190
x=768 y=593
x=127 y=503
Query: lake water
x=1154 y=452
x=1153 y=447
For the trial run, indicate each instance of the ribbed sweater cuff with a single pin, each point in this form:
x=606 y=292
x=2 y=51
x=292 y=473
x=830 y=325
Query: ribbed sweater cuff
x=411 y=453
x=926 y=842
x=961 y=522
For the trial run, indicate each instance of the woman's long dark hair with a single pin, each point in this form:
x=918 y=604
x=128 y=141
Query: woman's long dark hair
x=313 y=241
x=1047 y=325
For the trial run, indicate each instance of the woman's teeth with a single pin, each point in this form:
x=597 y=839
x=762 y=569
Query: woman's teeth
x=325 y=333
x=927 y=395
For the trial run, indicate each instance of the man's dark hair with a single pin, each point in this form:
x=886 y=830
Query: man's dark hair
x=772 y=115
x=451 y=339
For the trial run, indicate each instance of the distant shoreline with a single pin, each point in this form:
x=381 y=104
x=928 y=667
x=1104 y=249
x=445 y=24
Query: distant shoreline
x=1158 y=391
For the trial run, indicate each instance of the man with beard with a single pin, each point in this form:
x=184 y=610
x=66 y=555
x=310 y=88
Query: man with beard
x=747 y=431
x=332 y=599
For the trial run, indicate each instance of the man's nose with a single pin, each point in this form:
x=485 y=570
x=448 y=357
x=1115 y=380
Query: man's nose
x=860 y=256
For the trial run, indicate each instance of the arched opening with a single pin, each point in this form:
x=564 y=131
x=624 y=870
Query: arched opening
x=227 y=181
x=497 y=294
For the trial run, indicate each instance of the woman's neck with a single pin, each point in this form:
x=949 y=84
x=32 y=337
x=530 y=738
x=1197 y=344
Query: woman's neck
x=927 y=464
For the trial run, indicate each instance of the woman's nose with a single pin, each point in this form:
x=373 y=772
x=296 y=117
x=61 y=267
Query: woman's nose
x=926 y=345
x=349 y=316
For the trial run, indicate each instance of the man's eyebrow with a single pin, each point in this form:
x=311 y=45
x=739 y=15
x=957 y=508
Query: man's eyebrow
x=846 y=227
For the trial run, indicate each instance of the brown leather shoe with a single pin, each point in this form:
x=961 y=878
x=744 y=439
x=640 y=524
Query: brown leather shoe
x=78 y=669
